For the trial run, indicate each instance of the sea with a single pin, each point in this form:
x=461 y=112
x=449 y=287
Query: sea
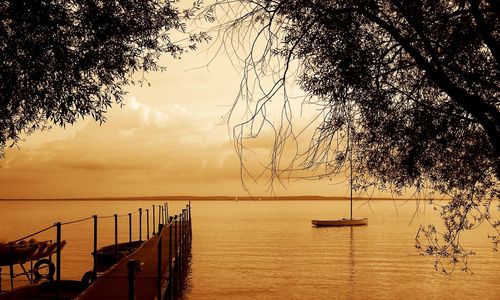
x=270 y=250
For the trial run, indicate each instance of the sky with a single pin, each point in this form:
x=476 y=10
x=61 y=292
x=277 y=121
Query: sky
x=168 y=139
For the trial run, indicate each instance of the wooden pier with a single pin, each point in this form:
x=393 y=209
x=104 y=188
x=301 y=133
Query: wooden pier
x=150 y=266
x=155 y=270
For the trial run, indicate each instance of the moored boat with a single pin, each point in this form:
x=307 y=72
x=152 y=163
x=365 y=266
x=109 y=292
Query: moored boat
x=344 y=221
x=14 y=253
x=340 y=222
x=107 y=255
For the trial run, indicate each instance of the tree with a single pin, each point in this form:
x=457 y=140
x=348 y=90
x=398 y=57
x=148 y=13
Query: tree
x=65 y=60
x=415 y=82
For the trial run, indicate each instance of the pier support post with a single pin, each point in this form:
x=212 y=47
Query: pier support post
x=130 y=233
x=58 y=260
x=159 y=214
x=133 y=267
x=154 y=223
x=170 y=256
x=116 y=236
x=147 y=223
x=166 y=212
x=159 y=272
x=94 y=268
x=176 y=261
x=190 y=224
x=186 y=232
x=11 y=271
x=190 y=227
x=181 y=246
x=140 y=224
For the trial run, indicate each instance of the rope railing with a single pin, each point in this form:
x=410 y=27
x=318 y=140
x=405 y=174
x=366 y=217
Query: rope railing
x=106 y=217
x=76 y=221
x=33 y=234
x=121 y=216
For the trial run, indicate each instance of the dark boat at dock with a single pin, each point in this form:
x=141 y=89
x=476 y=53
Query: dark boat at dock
x=107 y=256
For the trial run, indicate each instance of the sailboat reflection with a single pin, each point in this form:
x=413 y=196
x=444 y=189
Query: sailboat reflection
x=351 y=258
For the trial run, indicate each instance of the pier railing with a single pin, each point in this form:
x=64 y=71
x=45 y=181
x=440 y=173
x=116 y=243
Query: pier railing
x=172 y=252
x=173 y=246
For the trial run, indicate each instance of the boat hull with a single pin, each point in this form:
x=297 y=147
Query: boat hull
x=340 y=222
x=107 y=257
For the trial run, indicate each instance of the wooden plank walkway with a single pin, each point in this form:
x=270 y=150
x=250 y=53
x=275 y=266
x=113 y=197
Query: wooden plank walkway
x=113 y=284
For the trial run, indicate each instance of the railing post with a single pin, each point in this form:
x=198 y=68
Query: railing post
x=147 y=223
x=11 y=271
x=159 y=214
x=130 y=232
x=170 y=256
x=58 y=260
x=116 y=236
x=160 y=211
x=166 y=212
x=133 y=267
x=181 y=240
x=185 y=230
x=154 y=223
x=140 y=224
x=176 y=261
x=158 y=272
x=94 y=268
x=185 y=233
x=190 y=224
x=162 y=214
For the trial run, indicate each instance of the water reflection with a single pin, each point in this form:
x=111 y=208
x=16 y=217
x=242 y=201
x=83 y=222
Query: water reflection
x=351 y=258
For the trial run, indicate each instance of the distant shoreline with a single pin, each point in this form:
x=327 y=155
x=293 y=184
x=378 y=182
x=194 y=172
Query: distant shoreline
x=212 y=198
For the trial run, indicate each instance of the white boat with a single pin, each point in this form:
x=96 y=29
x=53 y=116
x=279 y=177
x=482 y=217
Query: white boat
x=340 y=222
x=343 y=222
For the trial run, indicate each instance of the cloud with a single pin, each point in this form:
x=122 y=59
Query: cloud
x=140 y=145
x=163 y=141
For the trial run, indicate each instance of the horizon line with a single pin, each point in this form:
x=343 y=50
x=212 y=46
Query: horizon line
x=211 y=198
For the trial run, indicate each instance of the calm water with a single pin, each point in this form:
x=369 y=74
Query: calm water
x=269 y=250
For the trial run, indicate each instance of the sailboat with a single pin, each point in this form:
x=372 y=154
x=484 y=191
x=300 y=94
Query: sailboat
x=341 y=222
x=344 y=221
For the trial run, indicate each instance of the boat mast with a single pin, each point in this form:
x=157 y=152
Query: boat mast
x=350 y=157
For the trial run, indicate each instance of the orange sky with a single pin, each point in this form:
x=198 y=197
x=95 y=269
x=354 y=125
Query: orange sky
x=167 y=140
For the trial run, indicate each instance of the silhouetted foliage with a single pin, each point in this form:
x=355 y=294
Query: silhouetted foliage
x=63 y=60
x=417 y=83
